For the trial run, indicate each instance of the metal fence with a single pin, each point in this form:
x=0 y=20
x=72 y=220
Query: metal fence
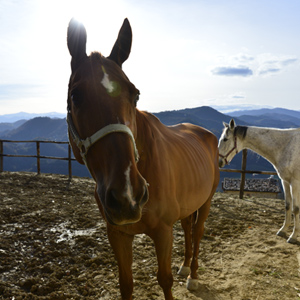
x=38 y=157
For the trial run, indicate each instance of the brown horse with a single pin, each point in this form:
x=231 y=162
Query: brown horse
x=147 y=175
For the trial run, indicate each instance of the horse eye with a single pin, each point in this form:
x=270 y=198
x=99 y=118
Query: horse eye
x=137 y=97
x=225 y=140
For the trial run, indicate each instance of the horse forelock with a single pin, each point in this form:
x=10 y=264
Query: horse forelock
x=109 y=66
x=226 y=129
x=96 y=56
x=240 y=131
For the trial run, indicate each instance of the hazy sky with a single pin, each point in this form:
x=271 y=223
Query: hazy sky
x=185 y=53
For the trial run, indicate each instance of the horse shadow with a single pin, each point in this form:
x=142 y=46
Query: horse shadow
x=205 y=293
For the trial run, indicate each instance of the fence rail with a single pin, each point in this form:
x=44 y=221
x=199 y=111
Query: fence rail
x=38 y=156
x=243 y=170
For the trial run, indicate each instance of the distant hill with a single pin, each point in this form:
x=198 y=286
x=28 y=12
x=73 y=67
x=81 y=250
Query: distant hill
x=204 y=116
x=5 y=127
x=10 y=118
x=266 y=117
x=46 y=128
x=266 y=111
x=272 y=120
x=40 y=128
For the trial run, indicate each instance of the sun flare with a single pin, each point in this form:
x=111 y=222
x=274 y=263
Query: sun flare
x=102 y=20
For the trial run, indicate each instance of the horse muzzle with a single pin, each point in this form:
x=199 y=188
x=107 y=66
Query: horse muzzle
x=124 y=207
x=222 y=162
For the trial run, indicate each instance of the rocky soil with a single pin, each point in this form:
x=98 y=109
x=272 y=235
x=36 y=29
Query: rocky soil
x=53 y=246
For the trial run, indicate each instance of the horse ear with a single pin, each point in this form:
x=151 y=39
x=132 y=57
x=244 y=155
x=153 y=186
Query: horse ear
x=76 y=40
x=122 y=47
x=232 y=124
x=225 y=124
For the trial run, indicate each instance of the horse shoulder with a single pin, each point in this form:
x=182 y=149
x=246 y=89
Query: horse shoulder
x=288 y=161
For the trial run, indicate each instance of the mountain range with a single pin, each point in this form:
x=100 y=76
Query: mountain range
x=46 y=128
x=266 y=111
x=11 y=118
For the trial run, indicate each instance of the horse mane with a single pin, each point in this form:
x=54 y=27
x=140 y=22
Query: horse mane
x=146 y=121
x=240 y=131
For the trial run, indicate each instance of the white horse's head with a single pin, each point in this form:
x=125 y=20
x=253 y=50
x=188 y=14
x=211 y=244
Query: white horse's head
x=227 y=144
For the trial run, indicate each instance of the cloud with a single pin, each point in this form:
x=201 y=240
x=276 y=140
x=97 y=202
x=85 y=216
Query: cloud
x=289 y=61
x=243 y=58
x=269 y=71
x=240 y=71
x=238 y=97
x=269 y=64
x=245 y=65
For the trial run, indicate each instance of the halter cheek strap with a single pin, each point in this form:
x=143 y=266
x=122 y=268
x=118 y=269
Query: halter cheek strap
x=86 y=144
x=230 y=151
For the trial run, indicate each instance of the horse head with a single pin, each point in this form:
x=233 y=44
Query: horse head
x=227 y=144
x=102 y=124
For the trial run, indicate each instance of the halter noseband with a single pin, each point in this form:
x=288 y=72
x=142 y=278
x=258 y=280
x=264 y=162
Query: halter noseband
x=229 y=152
x=86 y=144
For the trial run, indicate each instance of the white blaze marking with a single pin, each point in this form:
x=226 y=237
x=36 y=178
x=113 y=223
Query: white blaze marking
x=107 y=83
x=128 y=193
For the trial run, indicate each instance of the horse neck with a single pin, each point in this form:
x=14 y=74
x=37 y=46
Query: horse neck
x=264 y=141
x=149 y=130
x=144 y=131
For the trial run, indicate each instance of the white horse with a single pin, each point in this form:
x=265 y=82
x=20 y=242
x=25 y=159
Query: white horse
x=281 y=148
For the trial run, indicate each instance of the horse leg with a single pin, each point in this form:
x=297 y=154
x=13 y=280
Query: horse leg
x=288 y=211
x=296 y=206
x=163 y=240
x=197 y=232
x=122 y=247
x=187 y=228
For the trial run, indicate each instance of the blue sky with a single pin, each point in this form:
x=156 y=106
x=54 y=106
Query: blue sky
x=184 y=53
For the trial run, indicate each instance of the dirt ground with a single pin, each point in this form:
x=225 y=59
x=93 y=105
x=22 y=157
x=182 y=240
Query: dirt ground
x=53 y=245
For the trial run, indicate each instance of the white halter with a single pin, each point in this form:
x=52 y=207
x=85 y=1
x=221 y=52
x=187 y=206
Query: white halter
x=85 y=145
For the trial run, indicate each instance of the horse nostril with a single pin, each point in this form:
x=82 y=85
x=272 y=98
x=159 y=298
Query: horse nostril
x=116 y=201
x=112 y=200
x=145 y=196
x=221 y=163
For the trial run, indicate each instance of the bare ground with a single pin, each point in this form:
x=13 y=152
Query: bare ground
x=53 y=245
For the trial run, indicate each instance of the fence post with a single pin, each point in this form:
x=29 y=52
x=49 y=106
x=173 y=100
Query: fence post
x=1 y=157
x=243 y=174
x=38 y=157
x=70 y=161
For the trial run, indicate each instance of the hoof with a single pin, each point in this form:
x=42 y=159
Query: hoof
x=192 y=284
x=184 y=271
x=282 y=234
